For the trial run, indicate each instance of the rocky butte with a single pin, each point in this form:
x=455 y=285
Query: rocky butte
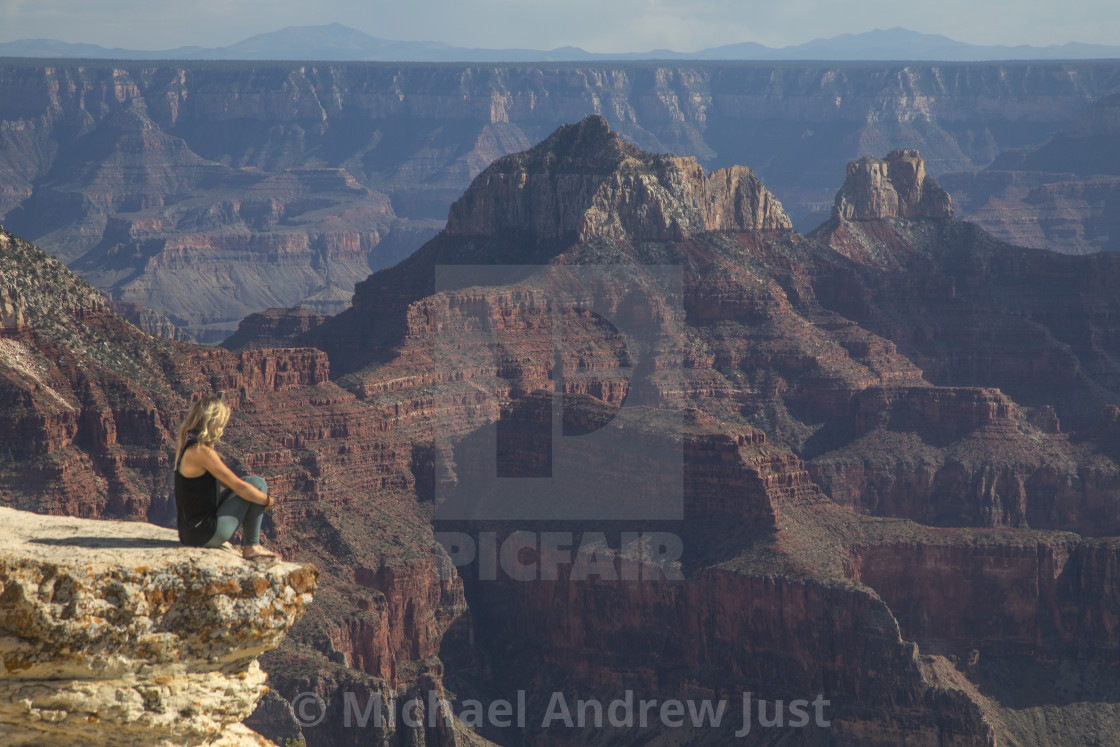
x=896 y=441
x=847 y=411
x=894 y=187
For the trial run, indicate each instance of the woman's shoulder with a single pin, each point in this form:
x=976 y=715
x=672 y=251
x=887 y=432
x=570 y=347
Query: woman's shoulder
x=201 y=449
x=197 y=451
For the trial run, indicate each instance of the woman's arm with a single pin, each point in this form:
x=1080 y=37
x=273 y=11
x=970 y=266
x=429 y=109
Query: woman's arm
x=209 y=460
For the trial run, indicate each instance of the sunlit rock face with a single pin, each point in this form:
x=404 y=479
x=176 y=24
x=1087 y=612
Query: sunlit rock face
x=112 y=633
x=585 y=182
x=893 y=187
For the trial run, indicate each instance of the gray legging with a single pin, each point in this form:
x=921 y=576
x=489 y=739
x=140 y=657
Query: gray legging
x=233 y=510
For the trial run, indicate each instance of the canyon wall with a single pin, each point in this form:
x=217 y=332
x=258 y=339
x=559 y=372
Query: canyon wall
x=91 y=408
x=1059 y=194
x=820 y=401
x=824 y=382
x=208 y=191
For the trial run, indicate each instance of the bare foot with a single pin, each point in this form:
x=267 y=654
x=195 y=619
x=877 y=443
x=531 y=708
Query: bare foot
x=253 y=552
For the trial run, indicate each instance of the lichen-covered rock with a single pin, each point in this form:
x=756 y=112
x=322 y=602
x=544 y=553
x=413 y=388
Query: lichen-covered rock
x=113 y=633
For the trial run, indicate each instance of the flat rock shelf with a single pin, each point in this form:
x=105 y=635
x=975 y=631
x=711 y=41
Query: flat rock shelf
x=111 y=632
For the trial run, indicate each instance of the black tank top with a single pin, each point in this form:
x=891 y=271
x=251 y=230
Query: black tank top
x=196 y=499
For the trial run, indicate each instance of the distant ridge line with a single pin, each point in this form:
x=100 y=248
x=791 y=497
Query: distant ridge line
x=338 y=43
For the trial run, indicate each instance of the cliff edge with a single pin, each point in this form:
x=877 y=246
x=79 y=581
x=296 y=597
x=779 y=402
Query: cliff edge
x=114 y=633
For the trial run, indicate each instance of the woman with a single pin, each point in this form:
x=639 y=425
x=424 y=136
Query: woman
x=209 y=513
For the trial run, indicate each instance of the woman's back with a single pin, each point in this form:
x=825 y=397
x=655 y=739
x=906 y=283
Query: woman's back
x=196 y=500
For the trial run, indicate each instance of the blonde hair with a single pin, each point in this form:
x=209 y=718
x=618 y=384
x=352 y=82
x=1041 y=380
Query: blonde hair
x=207 y=417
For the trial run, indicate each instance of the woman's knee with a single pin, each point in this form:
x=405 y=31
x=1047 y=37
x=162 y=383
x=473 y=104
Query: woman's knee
x=257 y=482
x=225 y=528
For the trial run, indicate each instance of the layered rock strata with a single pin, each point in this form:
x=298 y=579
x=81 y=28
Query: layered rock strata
x=880 y=364
x=614 y=191
x=893 y=187
x=780 y=346
x=91 y=406
x=112 y=633
x=152 y=322
x=273 y=328
x=1060 y=194
x=164 y=181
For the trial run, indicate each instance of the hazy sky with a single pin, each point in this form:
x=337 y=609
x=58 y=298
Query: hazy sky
x=595 y=25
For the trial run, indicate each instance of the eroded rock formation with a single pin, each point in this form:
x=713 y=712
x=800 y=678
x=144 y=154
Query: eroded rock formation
x=613 y=191
x=168 y=184
x=837 y=361
x=1060 y=194
x=112 y=633
x=152 y=322
x=273 y=328
x=90 y=408
x=893 y=187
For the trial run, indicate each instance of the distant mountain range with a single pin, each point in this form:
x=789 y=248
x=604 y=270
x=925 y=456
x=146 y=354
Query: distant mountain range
x=337 y=42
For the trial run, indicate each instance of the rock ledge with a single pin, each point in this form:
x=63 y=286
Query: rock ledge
x=114 y=633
